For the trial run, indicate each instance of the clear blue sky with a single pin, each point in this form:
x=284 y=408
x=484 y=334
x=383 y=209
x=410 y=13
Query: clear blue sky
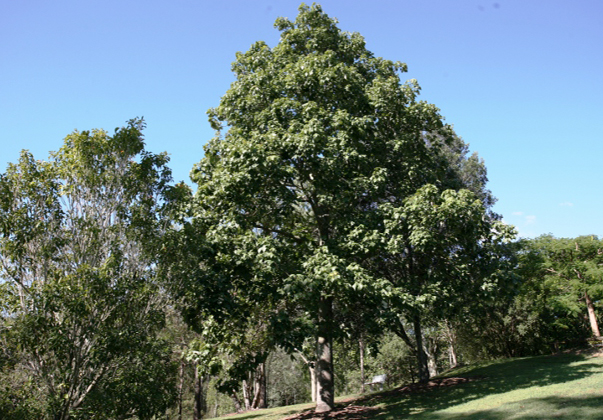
x=520 y=80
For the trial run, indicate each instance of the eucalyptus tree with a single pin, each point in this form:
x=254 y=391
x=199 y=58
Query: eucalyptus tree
x=312 y=138
x=79 y=236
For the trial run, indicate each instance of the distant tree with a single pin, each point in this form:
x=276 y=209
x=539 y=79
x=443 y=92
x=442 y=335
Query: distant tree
x=79 y=234
x=573 y=269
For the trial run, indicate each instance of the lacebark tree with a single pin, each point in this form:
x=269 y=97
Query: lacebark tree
x=310 y=137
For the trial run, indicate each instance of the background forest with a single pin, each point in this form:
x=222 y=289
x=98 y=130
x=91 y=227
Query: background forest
x=339 y=229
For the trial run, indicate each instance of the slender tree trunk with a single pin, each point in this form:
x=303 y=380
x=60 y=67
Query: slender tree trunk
x=362 y=380
x=312 y=368
x=259 y=388
x=198 y=389
x=421 y=356
x=236 y=401
x=180 y=387
x=592 y=316
x=430 y=347
x=452 y=356
x=432 y=364
x=325 y=398
x=262 y=391
x=247 y=392
x=400 y=331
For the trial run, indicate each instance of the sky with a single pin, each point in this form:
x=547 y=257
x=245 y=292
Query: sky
x=521 y=81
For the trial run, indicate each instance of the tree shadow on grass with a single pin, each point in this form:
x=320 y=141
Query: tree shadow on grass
x=258 y=414
x=246 y=416
x=565 y=408
x=490 y=380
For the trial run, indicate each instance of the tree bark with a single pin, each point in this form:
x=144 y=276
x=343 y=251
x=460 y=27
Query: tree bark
x=199 y=408
x=246 y=392
x=452 y=356
x=180 y=387
x=197 y=391
x=421 y=356
x=399 y=330
x=325 y=390
x=592 y=316
x=362 y=380
x=432 y=364
x=312 y=367
x=259 y=388
x=263 y=400
x=430 y=347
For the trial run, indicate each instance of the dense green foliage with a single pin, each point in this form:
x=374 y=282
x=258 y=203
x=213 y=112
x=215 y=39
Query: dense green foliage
x=81 y=310
x=330 y=185
x=334 y=210
x=545 y=308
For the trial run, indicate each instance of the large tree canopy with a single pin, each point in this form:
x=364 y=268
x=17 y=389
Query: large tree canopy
x=318 y=145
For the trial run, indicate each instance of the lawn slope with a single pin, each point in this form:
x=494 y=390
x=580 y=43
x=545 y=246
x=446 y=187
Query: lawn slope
x=568 y=386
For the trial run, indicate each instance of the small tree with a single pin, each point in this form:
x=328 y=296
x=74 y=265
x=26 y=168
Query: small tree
x=574 y=269
x=77 y=243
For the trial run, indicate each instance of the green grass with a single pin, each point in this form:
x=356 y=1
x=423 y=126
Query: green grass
x=568 y=386
x=271 y=413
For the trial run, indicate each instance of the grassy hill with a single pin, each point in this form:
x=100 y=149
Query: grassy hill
x=568 y=386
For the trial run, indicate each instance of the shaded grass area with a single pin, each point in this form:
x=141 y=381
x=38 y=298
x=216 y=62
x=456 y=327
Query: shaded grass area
x=568 y=386
x=565 y=386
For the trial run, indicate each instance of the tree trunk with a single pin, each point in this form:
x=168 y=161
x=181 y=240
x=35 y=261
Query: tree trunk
x=325 y=398
x=430 y=347
x=263 y=392
x=452 y=357
x=216 y=407
x=592 y=317
x=259 y=388
x=421 y=356
x=247 y=391
x=432 y=364
x=312 y=368
x=180 y=387
x=197 y=413
x=236 y=401
x=362 y=380
x=400 y=331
